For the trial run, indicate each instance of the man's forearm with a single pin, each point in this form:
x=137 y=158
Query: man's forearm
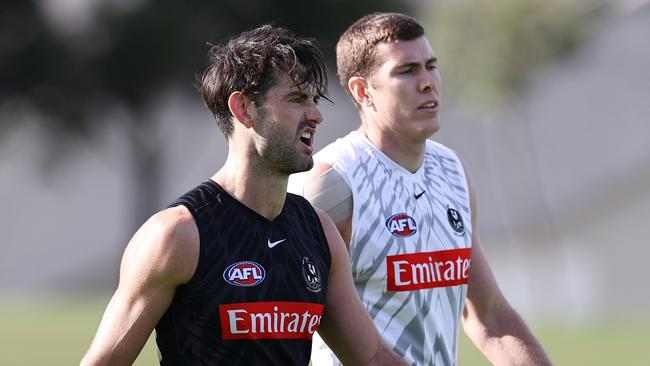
x=506 y=340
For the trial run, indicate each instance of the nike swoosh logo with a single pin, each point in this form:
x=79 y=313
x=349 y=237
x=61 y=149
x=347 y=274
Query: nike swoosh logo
x=272 y=244
x=419 y=195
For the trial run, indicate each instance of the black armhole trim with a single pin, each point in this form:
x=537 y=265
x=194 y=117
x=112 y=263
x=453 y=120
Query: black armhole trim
x=312 y=210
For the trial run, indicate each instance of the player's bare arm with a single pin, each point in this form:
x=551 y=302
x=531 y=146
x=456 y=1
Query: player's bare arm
x=488 y=319
x=162 y=255
x=346 y=326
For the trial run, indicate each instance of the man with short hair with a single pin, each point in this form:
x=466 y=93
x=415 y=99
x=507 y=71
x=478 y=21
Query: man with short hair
x=237 y=271
x=406 y=208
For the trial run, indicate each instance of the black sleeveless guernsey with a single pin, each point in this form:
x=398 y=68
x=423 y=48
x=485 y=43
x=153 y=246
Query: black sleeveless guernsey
x=258 y=291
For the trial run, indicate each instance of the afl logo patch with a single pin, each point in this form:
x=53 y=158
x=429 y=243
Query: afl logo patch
x=244 y=274
x=456 y=221
x=402 y=225
x=311 y=275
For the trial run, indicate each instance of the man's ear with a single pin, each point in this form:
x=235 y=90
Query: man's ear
x=358 y=87
x=242 y=108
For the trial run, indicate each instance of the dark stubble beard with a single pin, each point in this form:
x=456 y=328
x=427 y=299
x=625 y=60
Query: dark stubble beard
x=278 y=151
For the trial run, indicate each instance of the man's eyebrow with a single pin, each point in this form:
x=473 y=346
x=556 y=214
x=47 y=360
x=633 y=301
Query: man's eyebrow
x=297 y=93
x=432 y=60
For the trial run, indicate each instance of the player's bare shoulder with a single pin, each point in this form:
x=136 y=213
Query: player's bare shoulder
x=169 y=243
x=319 y=168
x=176 y=224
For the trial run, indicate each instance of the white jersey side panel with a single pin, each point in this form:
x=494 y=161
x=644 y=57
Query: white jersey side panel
x=410 y=245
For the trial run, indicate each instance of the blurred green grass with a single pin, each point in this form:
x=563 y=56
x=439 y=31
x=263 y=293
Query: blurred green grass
x=46 y=332
x=606 y=342
x=54 y=332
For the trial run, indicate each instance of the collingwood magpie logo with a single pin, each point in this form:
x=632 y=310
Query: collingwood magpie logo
x=311 y=275
x=455 y=221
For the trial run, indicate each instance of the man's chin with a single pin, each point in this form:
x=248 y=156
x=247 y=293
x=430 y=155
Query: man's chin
x=302 y=167
x=431 y=128
x=308 y=165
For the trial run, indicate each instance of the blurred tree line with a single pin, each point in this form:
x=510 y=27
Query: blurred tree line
x=127 y=52
x=489 y=49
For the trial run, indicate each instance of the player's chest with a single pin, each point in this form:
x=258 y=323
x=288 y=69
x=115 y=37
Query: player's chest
x=412 y=216
x=271 y=261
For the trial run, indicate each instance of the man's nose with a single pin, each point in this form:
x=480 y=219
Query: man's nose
x=314 y=114
x=427 y=81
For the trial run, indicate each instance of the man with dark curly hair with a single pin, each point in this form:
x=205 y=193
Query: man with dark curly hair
x=237 y=271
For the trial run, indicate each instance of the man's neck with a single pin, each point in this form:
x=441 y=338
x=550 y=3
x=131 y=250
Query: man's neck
x=407 y=154
x=259 y=191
